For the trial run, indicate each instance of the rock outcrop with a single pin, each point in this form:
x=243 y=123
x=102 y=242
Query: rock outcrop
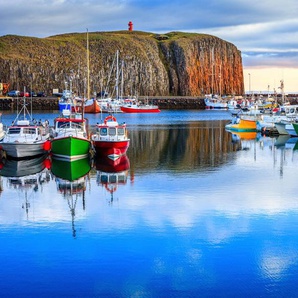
x=177 y=64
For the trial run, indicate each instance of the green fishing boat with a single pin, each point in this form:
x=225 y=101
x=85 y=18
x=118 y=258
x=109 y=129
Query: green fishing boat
x=70 y=140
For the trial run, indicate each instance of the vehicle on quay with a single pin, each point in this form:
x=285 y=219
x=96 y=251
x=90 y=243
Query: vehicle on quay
x=24 y=94
x=41 y=94
x=13 y=93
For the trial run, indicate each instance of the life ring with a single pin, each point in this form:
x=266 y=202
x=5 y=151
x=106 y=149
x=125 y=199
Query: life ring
x=109 y=118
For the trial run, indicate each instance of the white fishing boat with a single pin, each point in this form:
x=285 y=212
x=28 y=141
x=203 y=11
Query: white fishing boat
x=215 y=102
x=26 y=137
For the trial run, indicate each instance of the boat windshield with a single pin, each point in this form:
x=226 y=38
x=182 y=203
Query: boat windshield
x=30 y=131
x=112 y=131
x=120 y=131
x=103 y=131
x=67 y=124
x=14 y=130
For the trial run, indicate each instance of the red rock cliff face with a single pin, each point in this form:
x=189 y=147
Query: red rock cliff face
x=203 y=64
x=182 y=64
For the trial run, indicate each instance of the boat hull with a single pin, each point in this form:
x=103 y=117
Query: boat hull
x=243 y=126
x=70 y=148
x=281 y=128
x=24 y=150
x=139 y=110
x=64 y=106
x=92 y=108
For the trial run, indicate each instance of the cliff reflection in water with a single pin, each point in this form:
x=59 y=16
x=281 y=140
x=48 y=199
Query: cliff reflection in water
x=202 y=144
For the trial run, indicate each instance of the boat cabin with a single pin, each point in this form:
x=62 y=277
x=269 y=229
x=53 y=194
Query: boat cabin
x=112 y=132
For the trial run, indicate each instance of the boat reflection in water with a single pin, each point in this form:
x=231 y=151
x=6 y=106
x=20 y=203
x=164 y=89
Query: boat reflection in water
x=110 y=174
x=70 y=178
x=237 y=136
x=26 y=174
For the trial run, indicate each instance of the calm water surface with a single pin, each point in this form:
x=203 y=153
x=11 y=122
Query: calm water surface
x=193 y=211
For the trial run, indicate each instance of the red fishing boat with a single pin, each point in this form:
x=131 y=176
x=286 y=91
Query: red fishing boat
x=133 y=106
x=110 y=138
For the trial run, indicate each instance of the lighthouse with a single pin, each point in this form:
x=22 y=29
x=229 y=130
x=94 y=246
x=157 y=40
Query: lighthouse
x=130 y=26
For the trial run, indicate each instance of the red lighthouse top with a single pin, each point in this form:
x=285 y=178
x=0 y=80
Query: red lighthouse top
x=130 y=25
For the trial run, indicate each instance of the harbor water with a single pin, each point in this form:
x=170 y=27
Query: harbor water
x=192 y=211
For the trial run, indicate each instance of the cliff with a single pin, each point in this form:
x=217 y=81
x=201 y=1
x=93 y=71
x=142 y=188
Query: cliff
x=177 y=64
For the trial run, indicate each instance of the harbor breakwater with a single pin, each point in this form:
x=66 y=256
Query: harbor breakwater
x=52 y=103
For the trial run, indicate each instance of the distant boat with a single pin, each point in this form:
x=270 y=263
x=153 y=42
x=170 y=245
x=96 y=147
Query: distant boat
x=65 y=102
x=242 y=125
x=91 y=106
x=133 y=106
x=215 y=102
x=26 y=137
x=110 y=138
x=71 y=136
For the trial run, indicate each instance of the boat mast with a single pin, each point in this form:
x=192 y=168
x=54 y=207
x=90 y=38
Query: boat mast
x=212 y=70
x=117 y=74
x=88 y=69
x=88 y=76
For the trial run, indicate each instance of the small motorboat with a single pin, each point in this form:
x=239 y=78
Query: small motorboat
x=242 y=125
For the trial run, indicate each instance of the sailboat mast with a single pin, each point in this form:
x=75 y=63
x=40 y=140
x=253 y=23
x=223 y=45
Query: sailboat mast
x=88 y=70
x=212 y=70
x=117 y=75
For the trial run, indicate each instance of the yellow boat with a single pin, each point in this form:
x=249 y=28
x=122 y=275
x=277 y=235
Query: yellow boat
x=243 y=125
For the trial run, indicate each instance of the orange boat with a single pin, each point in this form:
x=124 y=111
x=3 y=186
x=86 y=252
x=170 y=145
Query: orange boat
x=243 y=125
x=91 y=106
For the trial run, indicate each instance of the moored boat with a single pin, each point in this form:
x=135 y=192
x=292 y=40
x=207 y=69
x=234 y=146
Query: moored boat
x=110 y=138
x=131 y=105
x=71 y=136
x=90 y=106
x=215 y=102
x=243 y=125
x=26 y=137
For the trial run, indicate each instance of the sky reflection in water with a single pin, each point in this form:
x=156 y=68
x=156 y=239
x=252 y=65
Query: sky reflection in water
x=185 y=223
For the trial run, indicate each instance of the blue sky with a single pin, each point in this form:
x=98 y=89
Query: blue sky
x=266 y=32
